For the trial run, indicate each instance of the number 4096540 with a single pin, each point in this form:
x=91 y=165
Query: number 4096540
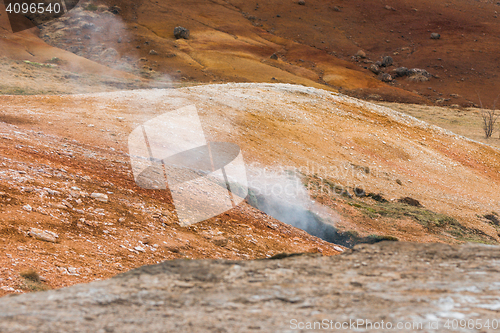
x=33 y=8
x=472 y=324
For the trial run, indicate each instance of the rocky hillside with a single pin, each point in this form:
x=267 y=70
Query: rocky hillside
x=403 y=51
x=413 y=287
x=72 y=212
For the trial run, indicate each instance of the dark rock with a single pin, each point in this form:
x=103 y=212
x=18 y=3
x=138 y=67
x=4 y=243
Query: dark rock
x=384 y=77
x=115 y=10
x=180 y=32
x=377 y=197
x=374 y=68
x=493 y=218
x=410 y=202
x=302 y=2
x=274 y=56
x=400 y=72
x=387 y=61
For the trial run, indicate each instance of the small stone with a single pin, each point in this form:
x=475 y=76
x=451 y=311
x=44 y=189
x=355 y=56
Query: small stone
x=43 y=235
x=99 y=196
x=435 y=35
x=410 y=202
x=302 y=2
x=52 y=192
x=27 y=208
x=384 y=77
x=139 y=248
x=361 y=54
x=67 y=204
x=153 y=52
x=274 y=56
x=375 y=69
x=387 y=61
x=121 y=220
x=181 y=32
x=400 y=72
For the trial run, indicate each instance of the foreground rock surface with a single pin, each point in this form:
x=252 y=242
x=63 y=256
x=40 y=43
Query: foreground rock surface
x=391 y=281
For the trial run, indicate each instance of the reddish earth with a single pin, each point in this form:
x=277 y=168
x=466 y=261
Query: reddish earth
x=76 y=145
x=100 y=239
x=314 y=44
x=234 y=40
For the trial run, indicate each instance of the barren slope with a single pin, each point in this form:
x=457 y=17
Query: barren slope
x=314 y=44
x=76 y=145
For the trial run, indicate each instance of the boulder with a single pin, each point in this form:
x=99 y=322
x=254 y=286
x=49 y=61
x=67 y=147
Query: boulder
x=374 y=68
x=400 y=72
x=435 y=35
x=410 y=202
x=384 y=77
x=387 y=61
x=360 y=54
x=181 y=32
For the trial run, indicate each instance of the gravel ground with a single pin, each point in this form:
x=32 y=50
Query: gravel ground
x=394 y=282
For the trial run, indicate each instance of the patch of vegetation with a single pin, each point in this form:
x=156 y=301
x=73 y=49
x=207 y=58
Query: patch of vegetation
x=15 y=91
x=55 y=60
x=31 y=281
x=427 y=218
x=91 y=7
x=397 y=210
x=37 y=64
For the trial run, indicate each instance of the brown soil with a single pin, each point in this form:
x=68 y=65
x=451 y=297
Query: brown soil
x=314 y=44
x=76 y=145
